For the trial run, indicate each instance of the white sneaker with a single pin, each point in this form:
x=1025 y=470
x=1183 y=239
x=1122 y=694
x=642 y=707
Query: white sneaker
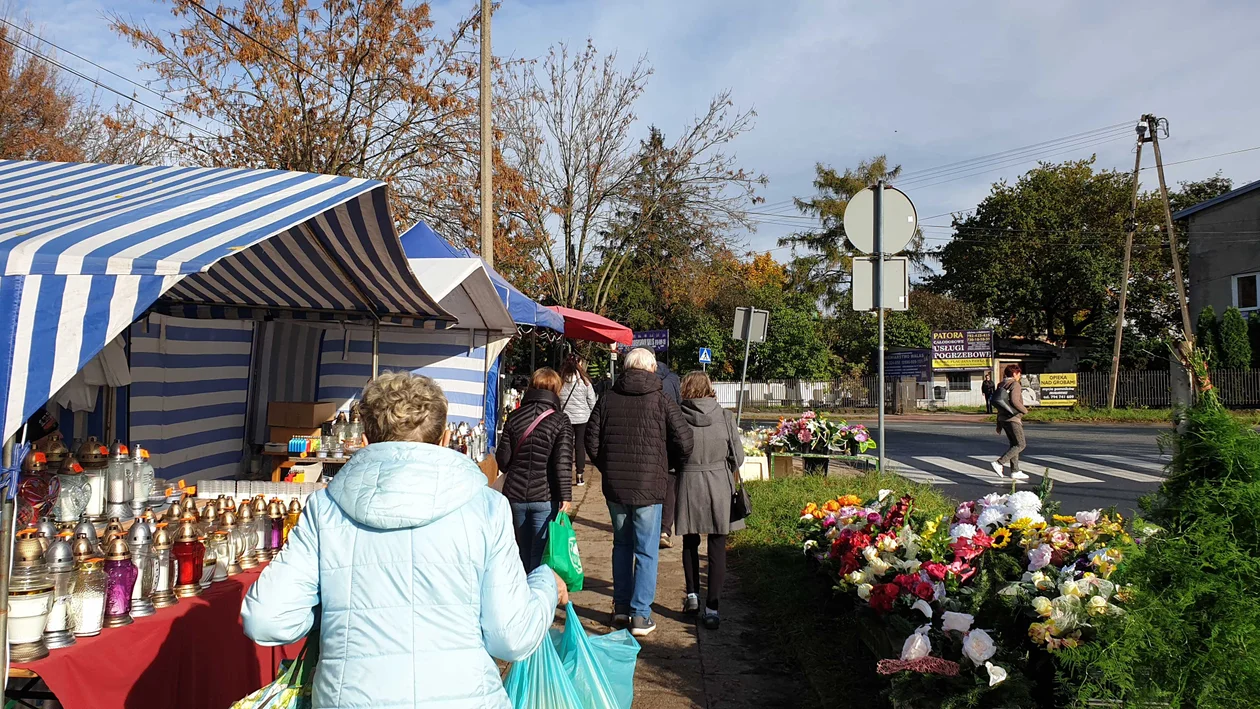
x=997 y=468
x=1019 y=476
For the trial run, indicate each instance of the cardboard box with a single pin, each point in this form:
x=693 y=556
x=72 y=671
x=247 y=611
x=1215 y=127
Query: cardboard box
x=300 y=414
x=282 y=434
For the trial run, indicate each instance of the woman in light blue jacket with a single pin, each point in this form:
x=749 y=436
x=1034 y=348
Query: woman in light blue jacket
x=412 y=561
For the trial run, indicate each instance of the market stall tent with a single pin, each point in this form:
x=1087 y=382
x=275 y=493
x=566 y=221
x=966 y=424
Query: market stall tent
x=421 y=242
x=88 y=249
x=581 y=325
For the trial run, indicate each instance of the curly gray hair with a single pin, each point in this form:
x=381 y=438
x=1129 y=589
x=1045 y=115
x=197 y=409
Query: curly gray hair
x=401 y=406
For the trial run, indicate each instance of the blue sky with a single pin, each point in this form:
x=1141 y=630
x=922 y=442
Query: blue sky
x=928 y=83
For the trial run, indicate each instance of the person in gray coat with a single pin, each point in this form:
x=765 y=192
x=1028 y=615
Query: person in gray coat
x=706 y=484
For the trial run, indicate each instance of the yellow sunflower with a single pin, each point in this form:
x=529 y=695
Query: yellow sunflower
x=1001 y=538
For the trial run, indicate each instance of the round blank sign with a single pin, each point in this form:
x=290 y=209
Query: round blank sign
x=900 y=221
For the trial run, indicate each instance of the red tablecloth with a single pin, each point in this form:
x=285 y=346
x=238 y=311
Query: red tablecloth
x=193 y=655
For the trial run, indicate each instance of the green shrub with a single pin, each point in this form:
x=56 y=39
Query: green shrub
x=1207 y=336
x=1253 y=336
x=1192 y=633
x=1235 y=343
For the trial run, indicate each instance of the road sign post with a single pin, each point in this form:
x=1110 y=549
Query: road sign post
x=750 y=324
x=880 y=221
x=706 y=358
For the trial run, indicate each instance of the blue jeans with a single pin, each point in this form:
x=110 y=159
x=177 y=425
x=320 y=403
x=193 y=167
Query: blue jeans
x=636 y=544
x=530 y=520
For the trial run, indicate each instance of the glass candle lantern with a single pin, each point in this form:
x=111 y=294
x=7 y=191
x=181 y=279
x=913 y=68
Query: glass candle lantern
x=142 y=481
x=55 y=449
x=275 y=513
x=291 y=517
x=121 y=575
x=262 y=524
x=236 y=542
x=94 y=457
x=189 y=555
x=87 y=598
x=209 y=519
x=60 y=559
x=86 y=529
x=209 y=564
x=30 y=600
x=247 y=526
x=120 y=483
x=140 y=540
x=163 y=569
x=222 y=547
x=72 y=500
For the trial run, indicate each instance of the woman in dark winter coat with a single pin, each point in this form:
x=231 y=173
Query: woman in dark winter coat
x=705 y=487
x=536 y=457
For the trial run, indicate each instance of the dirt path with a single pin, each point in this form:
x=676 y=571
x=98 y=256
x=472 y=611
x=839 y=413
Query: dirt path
x=682 y=664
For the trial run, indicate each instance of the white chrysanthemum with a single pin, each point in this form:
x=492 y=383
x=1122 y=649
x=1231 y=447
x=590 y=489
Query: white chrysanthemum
x=1023 y=501
x=991 y=516
x=962 y=531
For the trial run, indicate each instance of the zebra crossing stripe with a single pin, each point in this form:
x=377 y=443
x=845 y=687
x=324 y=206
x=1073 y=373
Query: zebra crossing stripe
x=1100 y=469
x=1059 y=476
x=1131 y=462
x=971 y=471
x=912 y=473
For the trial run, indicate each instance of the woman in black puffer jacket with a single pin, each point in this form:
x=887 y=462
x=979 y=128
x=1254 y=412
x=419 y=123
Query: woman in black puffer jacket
x=536 y=457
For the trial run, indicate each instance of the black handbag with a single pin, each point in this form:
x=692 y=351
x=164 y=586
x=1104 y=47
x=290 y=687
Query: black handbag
x=1001 y=401
x=741 y=505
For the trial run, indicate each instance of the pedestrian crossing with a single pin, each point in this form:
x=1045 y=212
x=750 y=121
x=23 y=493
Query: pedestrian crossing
x=1085 y=469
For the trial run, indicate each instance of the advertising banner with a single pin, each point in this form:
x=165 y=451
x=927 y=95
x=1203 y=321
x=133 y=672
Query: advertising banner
x=655 y=340
x=1058 y=389
x=959 y=350
x=909 y=363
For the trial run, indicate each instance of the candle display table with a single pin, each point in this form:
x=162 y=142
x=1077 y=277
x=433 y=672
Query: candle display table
x=193 y=655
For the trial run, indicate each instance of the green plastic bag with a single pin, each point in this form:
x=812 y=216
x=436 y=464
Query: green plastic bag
x=292 y=689
x=562 y=552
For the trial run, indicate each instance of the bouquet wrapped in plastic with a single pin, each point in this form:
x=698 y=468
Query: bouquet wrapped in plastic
x=292 y=688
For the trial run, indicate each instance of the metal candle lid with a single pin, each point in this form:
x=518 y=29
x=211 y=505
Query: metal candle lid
x=35 y=463
x=118 y=450
x=82 y=548
x=56 y=450
x=227 y=519
x=295 y=506
x=117 y=550
x=28 y=553
x=70 y=466
x=275 y=510
x=60 y=556
x=188 y=504
x=140 y=534
x=227 y=503
x=87 y=529
x=48 y=528
x=114 y=527
x=148 y=517
x=260 y=506
x=137 y=454
x=162 y=537
x=245 y=514
x=187 y=532
x=92 y=454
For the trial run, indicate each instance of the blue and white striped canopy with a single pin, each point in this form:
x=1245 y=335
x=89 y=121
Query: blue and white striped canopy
x=85 y=249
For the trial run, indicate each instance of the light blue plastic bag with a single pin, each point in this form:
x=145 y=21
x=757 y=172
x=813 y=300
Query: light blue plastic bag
x=573 y=671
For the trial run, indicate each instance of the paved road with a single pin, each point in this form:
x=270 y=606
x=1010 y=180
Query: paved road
x=1092 y=466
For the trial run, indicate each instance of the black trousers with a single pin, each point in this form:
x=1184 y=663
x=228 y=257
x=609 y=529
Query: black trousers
x=579 y=448
x=717 y=566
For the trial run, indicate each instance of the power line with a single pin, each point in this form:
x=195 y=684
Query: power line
x=1206 y=157
x=1016 y=160
x=1008 y=153
x=80 y=57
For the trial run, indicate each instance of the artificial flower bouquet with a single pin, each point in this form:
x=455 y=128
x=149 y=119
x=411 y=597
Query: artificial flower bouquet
x=819 y=435
x=755 y=442
x=973 y=600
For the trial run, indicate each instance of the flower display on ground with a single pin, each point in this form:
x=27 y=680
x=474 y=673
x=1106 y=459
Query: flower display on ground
x=819 y=435
x=979 y=591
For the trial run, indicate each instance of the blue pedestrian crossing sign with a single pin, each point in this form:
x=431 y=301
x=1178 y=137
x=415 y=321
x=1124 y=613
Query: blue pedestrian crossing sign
x=706 y=355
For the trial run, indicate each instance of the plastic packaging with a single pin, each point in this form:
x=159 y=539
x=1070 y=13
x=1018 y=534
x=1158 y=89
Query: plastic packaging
x=573 y=671
x=562 y=554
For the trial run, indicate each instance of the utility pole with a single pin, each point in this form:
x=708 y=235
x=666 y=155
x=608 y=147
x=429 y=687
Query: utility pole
x=1129 y=228
x=487 y=143
x=1154 y=124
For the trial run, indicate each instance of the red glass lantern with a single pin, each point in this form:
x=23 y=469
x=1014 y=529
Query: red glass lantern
x=189 y=556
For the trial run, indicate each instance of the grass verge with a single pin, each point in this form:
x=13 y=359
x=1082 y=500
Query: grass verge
x=794 y=604
x=1082 y=414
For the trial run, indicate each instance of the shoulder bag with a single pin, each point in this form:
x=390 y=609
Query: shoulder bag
x=1001 y=400
x=741 y=505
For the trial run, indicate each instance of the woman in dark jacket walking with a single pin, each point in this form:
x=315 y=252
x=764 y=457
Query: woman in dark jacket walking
x=536 y=457
x=705 y=487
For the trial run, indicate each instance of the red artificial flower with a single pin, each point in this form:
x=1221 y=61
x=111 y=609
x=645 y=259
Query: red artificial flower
x=849 y=563
x=883 y=596
x=922 y=589
x=935 y=569
x=961 y=570
x=1059 y=557
x=897 y=515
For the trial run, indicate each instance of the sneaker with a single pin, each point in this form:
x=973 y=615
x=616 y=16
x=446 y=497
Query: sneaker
x=710 y=619
x=1019 y=476
x=997 y=468
x=620 y=618
x=666 y=542
x=691 y=604
x=581 y=482
x=642 y=627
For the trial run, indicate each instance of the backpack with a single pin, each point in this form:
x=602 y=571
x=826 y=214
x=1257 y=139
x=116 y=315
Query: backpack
x=1001 y=400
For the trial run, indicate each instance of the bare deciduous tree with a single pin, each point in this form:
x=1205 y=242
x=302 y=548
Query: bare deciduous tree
x=568 y=128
